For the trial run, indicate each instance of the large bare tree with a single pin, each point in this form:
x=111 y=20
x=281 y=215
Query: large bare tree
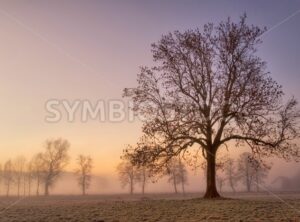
x=83 y=172
x=207 y=89
x=54 y=158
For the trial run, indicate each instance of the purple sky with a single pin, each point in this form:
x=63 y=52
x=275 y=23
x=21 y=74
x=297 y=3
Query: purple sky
x=92 y=50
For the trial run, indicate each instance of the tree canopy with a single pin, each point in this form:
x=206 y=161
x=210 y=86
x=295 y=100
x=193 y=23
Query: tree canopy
x=208 y=88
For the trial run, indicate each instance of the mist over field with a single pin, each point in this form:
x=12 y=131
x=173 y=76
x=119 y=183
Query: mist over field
x=109 y=184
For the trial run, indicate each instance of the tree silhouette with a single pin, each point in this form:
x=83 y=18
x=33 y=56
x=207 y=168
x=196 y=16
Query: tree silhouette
x=83 y=172
x=37 y=170
x=29 y=175
x=143 y=177
x=19 y=171
x=129 y=174
x=246 y=170
x=230 y=172
x=177 y=174
x=261 y=170
x=54 y=158
x=8 y=175
x=210 y=88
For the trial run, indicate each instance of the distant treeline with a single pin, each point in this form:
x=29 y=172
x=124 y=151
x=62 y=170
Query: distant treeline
x=41 y=172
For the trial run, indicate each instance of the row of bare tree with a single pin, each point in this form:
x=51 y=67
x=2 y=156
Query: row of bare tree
x=246 y=170
x=130 y=175
x=43 y=169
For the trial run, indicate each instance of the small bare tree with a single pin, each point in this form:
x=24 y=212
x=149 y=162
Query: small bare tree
x=177 y=174
x=173 y=174
x=55 y=158
x=84 y=172
x=38 y=170
x=246 y=171
x=8 y=175
x=220 y=181
x=128 y=174
x=19 y=170
x=230 y=173
x=261 y=171
x=143 y=177
x=29 y=175
x=183 y=175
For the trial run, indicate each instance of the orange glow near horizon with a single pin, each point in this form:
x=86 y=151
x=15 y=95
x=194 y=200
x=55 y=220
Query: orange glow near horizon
x=84 y=51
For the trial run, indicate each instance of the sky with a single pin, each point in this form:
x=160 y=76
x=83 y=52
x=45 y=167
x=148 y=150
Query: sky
x=92 y=50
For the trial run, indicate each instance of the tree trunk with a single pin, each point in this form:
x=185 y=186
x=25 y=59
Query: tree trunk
x=182 y=187
x=83 y=187
x=7 y=190
x=174 y=183
x=248 y=184
x=46 y=188
x=257 y=182
x=38 y=187
x=143 y=188
x=29 y=186
x=232 y=186
x=131 y=186
x=24 y=186
x=19 y=188
x=211 y=189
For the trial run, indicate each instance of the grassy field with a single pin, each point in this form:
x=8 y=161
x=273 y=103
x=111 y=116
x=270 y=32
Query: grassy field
x=154 y=207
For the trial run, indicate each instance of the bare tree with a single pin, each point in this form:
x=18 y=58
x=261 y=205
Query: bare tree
x=209 y=89
x=128 y=174
x=55 y=158
x=19 y=170
x=246 y=170
x=183 y=175
x=8 y=175
x=84 y=172
x=230 y=172
x=173 y=174
x=220 y=181
x=177 y=173
x=143 y=177
x=37 y=170
x=261 y=171
x=29 y=175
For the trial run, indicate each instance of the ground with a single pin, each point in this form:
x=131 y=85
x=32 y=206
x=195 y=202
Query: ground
x=154 y=207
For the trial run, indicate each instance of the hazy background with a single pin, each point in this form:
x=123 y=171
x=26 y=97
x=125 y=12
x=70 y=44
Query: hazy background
x=92 y=50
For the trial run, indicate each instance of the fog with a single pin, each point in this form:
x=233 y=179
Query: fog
x=109 y=184
x=282 y=177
